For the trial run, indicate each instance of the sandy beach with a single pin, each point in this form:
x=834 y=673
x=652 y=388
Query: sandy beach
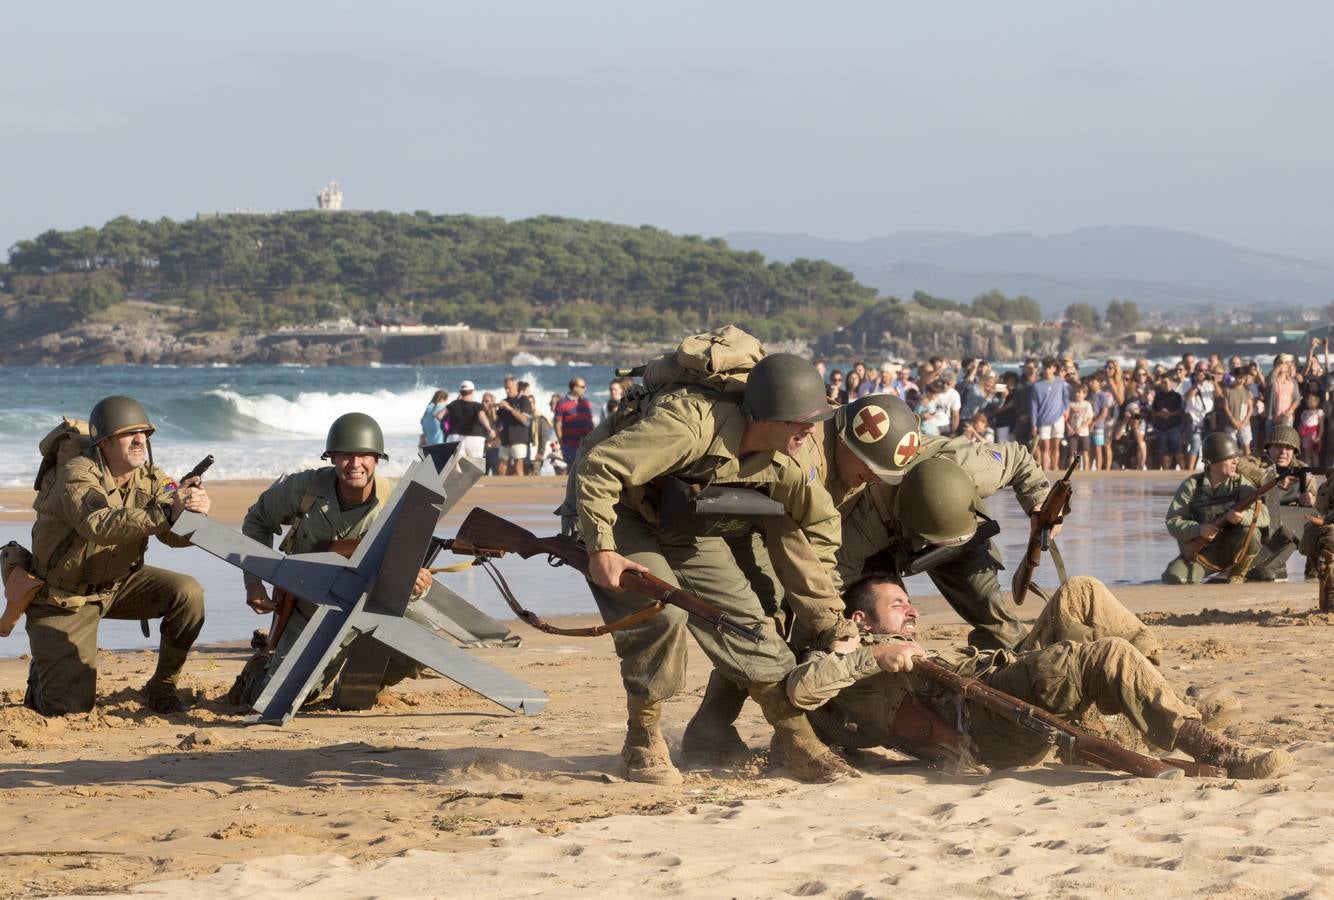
x=437 y=792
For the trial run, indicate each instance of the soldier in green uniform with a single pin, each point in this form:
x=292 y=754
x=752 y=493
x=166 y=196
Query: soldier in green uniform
x=898 y=514
x=1085 y=651
x=704 y=437
x=1288 y=504
x=94 y=520
x=1205 y=496
x=336 y=502
x=1318 y=544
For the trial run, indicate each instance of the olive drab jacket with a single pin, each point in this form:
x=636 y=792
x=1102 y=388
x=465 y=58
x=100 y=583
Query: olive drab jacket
x=694 y=434
x=1197 y=501
x=869 y=524
x=308 y=501
x=91 y=534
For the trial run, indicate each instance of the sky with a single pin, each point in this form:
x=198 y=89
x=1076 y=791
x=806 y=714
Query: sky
x=843 y=120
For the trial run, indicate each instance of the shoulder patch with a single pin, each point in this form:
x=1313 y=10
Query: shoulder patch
x=168 y=485
x=812 y=474
x=995 y=454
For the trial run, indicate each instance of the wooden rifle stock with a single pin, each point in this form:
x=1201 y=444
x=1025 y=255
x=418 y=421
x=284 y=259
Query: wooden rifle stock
x=1074 y=741
x=486 y=534
x=286 y=601
x=1052 y=513
x=1193 y=547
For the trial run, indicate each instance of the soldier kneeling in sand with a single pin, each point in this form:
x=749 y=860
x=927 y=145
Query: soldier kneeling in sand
x=323 y=506
x=1085 y=650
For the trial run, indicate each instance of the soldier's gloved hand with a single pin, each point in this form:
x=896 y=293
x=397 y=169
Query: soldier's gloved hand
x=605 y=568
x=257 y=598
x=423 y=582
x=897 y=656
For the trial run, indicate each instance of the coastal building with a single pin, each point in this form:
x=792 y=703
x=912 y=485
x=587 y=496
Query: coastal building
x=330 y=197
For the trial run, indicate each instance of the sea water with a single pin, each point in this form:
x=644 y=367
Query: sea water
x=257 y=421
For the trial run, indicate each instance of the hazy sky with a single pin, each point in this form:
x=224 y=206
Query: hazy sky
x=845 y=120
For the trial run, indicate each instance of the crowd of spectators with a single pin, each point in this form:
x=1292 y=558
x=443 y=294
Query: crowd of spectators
x=1146 y=416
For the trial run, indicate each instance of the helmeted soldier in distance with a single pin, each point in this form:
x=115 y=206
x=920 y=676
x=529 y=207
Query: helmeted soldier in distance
x=1205 y=496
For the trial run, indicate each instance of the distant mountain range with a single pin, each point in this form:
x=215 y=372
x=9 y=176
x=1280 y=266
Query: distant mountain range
x=1157 y=268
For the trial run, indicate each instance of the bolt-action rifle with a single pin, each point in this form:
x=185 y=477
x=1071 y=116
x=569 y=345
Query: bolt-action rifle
x=1052 y=514
x=1072 y=741
x=487 y=536
x=1195 y=546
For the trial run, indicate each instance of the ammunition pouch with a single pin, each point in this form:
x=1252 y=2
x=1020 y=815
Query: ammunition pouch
x=712 y=511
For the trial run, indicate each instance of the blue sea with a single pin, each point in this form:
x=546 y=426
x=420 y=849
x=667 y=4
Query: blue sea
x=257 y=421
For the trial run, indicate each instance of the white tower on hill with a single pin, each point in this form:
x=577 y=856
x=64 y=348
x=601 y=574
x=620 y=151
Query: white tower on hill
x=330 y=196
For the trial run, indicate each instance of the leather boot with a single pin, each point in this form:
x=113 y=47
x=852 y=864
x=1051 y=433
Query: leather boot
x=1325 y=569
x=644 y=757
x=795 y=748
x=1239 y=760
x=160 y=692
x=711 y=738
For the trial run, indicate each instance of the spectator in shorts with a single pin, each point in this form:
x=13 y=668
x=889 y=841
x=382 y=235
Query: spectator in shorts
x=1236 y=409
x=1100 y=398
x=1079 y=425
x=573 y=419
x=1049 y=401
x=514 y=414
x=491 y=449
x=1169 y=413
x=469 y=424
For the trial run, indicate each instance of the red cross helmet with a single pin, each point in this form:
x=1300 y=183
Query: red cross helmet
x=882 y=432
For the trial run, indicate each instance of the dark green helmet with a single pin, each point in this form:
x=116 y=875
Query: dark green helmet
x=882 y=432
x=936 y=502
x=1284 y=436
x=116 y=415
x=783 y=387
x=355 y=432
x=1219 y=446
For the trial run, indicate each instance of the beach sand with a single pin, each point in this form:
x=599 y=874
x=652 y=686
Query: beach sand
x=436 y=792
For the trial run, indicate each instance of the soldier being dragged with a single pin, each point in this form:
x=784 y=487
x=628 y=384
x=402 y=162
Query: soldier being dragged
x=1085 y=651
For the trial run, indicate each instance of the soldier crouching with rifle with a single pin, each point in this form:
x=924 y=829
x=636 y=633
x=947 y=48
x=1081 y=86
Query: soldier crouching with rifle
x=1216 y=517
x=704 y=437
x=1085 y=650
x=94 y=520
x=325 y=507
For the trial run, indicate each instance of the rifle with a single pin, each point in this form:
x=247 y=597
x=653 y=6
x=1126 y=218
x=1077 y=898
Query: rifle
x=285 y=601
x=1052 y=514
x=1303 y=473
x=1195 y=546
x=486 y=536
x=1073 y=742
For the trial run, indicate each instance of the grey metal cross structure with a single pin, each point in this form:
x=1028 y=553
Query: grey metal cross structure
x=362 y=603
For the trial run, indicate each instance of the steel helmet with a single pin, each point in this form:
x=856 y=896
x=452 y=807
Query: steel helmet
x=936 y=502
x=881 y=431
x=1219 y=446
x=355 y=432
x=1285 y=436
x=116 y=415
x=784 y=387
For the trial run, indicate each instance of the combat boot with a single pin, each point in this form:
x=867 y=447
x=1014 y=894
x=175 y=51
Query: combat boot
x=644 y=757
x=1240 y=761
x=795 y=748
x=711 y=738
x=160 y=692
x=1325 y=569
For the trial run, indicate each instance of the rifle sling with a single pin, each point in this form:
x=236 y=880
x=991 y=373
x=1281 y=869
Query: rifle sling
x=529 y=617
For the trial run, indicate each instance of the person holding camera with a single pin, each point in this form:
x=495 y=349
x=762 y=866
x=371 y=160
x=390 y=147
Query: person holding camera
x=1199 y=405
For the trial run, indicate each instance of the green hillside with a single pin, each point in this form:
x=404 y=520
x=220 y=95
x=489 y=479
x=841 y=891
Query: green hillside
x=267 y=271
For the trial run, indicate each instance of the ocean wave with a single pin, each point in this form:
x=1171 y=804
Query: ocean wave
x=524 y=358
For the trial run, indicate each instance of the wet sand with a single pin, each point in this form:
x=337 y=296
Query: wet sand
x=436 y=792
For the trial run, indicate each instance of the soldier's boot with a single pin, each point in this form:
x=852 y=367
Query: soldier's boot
x=711 y=738
x=795 y=748
x=644 y=757
x=1325 y=570
x=160 y=692
x=1240 y=761
x=1216 y=707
